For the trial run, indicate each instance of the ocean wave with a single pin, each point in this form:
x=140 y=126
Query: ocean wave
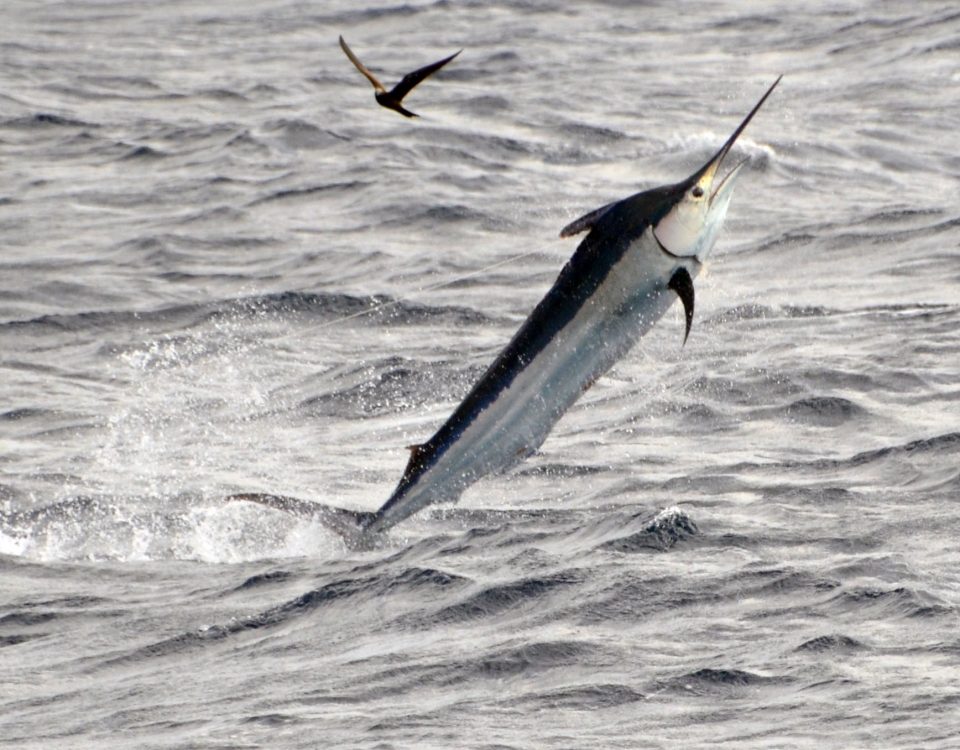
x=352 y=310
x=140 y=84
x=396 y=216
x=271 y=720
x=28 y=619
x=558 y=470
x=527 y=660
x=670 y=527
x=746 y=388
x=218 y=94
x=818 y=411
x=45 y=119
x=299 y=134
x=831 y=644
x=586 y=697
x=18 y=638
x=889 y=603
x=719 y=681
x=485 y=104
x=510 y=597
x=590 y=133
x=390 y=386
x=331 y=594
x=265 y=579
x=139 y=153
x=754 y=311
x=635 y=598
x=310 y=192
x=24 y=413
x=946 y=443
x=72 y=509
x=896 y=237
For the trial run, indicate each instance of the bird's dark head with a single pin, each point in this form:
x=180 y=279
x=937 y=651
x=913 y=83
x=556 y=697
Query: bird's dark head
x=385 y=99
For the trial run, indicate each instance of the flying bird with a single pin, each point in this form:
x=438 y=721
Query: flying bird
x=392 y=99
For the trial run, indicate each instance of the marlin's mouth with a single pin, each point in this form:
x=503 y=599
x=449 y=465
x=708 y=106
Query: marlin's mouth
x=708 y=172
x=726 y=180
x=690 y=227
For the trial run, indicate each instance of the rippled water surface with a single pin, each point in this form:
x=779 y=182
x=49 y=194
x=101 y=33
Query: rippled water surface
x=225 y=269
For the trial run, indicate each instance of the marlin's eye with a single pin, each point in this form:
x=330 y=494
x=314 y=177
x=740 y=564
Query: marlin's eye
x=697 y=192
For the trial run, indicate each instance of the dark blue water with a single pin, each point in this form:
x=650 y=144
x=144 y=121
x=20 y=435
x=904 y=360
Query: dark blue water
x=749 y=541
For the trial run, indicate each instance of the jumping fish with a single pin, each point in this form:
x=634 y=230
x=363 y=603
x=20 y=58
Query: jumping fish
x=640 y=255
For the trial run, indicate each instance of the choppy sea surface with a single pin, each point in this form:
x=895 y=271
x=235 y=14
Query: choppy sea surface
x=224 y=268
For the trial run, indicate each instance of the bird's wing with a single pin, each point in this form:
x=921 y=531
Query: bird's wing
x=412 y=79
x=361 y=67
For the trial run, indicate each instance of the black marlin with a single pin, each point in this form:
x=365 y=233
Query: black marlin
x=392 y=99
x=640 y=255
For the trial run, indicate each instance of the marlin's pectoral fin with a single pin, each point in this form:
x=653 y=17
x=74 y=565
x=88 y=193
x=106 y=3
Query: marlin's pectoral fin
x=586 y=221
x=682 y=284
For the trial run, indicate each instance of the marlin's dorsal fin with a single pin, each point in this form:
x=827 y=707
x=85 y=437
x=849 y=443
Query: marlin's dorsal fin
x=682 y=284
x=416 y=458
x=586 y=221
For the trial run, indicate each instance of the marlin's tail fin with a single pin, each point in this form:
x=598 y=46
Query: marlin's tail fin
x=349 y=524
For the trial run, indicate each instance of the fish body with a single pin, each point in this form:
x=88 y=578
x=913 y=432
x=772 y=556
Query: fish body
x=609 y=294
x=640 y=255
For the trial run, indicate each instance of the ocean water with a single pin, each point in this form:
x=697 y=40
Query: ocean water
x=225 y=269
